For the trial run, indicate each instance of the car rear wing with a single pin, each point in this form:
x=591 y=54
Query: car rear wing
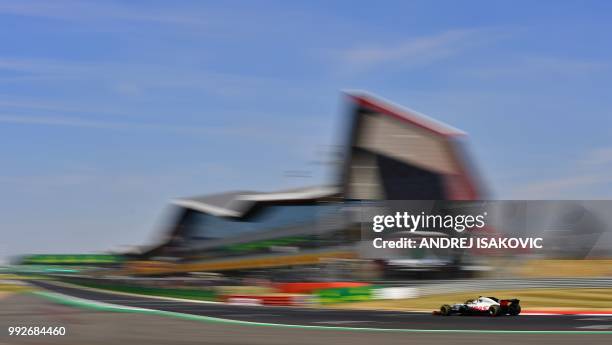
x=506 y=302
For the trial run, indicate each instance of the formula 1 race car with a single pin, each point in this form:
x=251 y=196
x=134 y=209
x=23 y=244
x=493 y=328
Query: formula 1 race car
x=482 y=305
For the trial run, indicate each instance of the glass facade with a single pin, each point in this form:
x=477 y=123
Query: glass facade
x=199 y=229
x=201 y=226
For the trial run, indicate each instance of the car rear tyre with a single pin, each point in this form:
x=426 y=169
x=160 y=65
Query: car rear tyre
x=494 y=310
x=445 y=310
x=514 y=310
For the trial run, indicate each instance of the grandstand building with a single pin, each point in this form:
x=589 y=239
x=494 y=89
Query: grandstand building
x=392 y=153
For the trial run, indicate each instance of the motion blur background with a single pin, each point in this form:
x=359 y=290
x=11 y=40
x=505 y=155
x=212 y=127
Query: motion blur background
x=205 y=151
x=109 y=109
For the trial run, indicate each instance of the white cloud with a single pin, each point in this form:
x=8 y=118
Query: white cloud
x=132 y=80
x=562 y=187
x=39 y=66
x=598 y=157
x=30 y=104
x=124 y=125
x=416 y=51
x=59 y=121
x=587 y=181
x=83 y=11
x=529 y=66
x=259 y=132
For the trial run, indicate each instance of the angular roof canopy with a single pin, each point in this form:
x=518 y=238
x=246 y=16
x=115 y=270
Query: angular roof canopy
x=236 y=203
x=395 y=153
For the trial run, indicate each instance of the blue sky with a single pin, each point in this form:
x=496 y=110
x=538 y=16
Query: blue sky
x=108 y=109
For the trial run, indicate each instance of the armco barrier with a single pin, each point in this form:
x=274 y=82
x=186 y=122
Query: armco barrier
x=345 y=294
x=275 y=300
x=435 y=287
x=310 y=287
x=396 y=293
x=243 y=301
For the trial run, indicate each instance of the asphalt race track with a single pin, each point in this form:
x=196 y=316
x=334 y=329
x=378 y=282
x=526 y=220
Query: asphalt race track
x=342 y=318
